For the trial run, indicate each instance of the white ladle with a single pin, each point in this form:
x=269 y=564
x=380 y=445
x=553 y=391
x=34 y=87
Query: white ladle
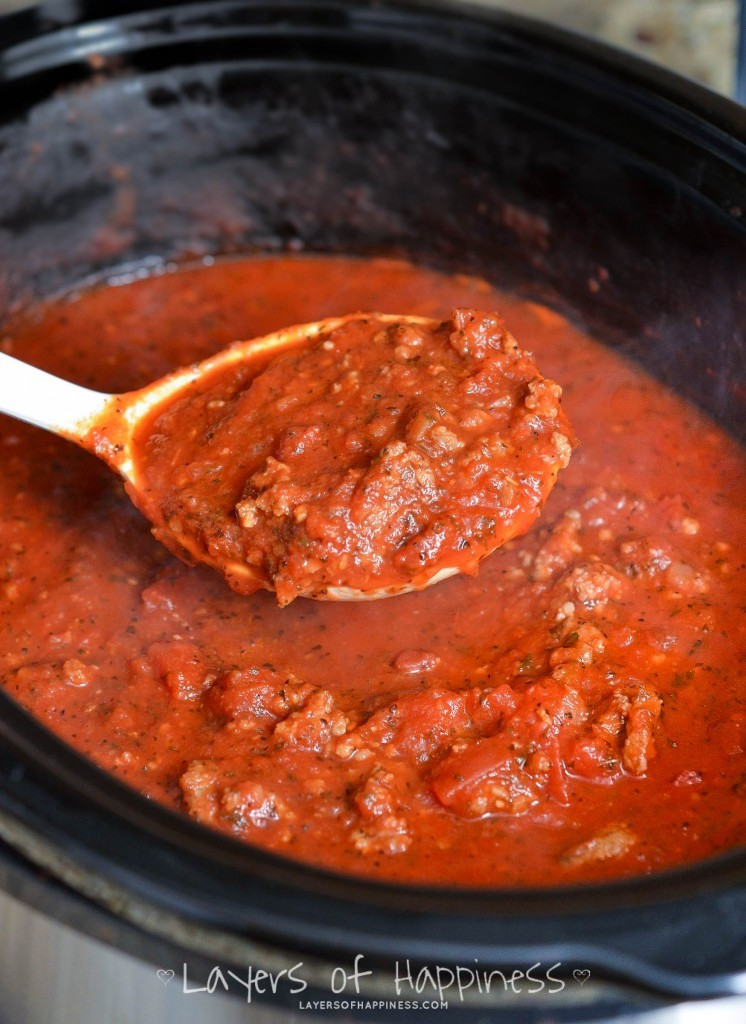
x=106 y=424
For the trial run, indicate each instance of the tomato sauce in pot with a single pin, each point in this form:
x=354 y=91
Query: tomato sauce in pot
x=574 y=712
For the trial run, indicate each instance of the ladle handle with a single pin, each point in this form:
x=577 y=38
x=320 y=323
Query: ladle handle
x=37 y=397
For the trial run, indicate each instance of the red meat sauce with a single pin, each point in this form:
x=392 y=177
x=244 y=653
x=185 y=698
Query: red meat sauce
x=574 y=712
x=371 y=457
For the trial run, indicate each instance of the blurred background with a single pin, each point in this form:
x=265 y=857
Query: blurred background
x=698 y=38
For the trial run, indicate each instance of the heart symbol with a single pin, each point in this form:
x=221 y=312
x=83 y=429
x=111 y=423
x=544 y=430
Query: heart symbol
x=580 y=976
x=164 y=976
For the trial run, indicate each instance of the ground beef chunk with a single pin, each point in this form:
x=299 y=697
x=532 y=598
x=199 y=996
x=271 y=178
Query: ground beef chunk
x=611 y=841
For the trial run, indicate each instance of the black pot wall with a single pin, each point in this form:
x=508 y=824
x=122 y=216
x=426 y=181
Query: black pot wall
x=483 y=144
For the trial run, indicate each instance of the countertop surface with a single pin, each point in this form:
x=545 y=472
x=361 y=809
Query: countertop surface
x=694 y=37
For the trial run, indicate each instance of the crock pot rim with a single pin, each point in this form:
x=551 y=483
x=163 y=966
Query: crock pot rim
x=34 y=43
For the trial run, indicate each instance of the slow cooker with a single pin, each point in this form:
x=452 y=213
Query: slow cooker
x=475 y=141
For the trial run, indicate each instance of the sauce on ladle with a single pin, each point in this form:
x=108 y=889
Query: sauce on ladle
x=352 y=458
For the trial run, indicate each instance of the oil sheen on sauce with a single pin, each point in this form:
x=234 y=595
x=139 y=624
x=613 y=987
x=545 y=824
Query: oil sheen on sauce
x=574 y=712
